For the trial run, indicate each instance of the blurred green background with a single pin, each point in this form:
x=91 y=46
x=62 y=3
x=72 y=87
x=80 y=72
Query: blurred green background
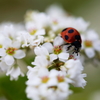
x=14 y=10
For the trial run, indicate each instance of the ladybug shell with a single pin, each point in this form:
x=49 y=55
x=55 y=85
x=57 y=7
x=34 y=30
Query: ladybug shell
x=70 y=35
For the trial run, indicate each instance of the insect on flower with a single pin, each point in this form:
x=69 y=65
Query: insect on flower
x=72 y=38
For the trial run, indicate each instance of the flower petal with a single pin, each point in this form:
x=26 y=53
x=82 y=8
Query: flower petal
x=41 y=51
x=4 y=66
x=19 y=54
x=58 y=41
x=53 y=57
x=48 y=46
x=52 y=81
x=92 y=35
x=40 y=32
x=96 y=45
x=40 y=61
x=9 y=60
x=63 y=56
x=90 y=52
x=16 y=44
x=2 y=52
x=14 y=72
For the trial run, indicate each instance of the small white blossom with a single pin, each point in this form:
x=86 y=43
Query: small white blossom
x=10 y=29
x=74 y=70
x=4 y=67
x=41 y=61
x=36 y=20
x=56 y=49
x=24 y=38
x=80 y=24
x=34 y=38
x=14 y=72
x=42 y=51
x=10 y=52
x=91 y=43
x=56 y=11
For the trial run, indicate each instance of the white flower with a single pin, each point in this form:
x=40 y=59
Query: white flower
x=4 y=41
x=14 y=72
x=57 y=17
x=42 y=51
x=37 y=20
x=24 y=38
x=56 y=11
x=33 y=30
x=10 y=29
x=91 y=43
x=57 y=23
x=56 y=49
x=16 y=26
x=41 y=61
x=32 y=72
x=74 y=70
x=80 y=24
x=4 y=67
x=34 y=38
x=11 y=51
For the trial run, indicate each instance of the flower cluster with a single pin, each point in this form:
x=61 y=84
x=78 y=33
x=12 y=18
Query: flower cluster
x=53 y=72
x=10 y=50
x=55 y=19
x=14 y=40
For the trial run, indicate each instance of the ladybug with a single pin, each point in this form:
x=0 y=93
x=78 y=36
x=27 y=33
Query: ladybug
x=72 y=36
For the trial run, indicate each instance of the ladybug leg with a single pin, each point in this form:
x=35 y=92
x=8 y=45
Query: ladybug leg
x=69 y=47
x=73 y=52
x=76 y=51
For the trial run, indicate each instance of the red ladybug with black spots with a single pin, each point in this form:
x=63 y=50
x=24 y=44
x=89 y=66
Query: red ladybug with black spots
x=72 y=36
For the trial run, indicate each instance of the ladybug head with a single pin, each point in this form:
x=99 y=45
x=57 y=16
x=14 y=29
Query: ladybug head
x=77 y=45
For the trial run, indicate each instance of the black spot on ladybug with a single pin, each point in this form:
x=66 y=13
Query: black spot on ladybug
x=66 y=37
x=71 y=31
x=64 y=29
x=77 y=37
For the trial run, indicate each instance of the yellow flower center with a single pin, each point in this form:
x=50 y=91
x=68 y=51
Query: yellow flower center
x=55 y=22
x=60 y=78
x=45 y=79
x=1 y=46
x=33 y=32
x=11 y=50
x=88 y=43
x=57 y=49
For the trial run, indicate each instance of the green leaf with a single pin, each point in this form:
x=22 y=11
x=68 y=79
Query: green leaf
x=13 y=90
x=76 y=89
